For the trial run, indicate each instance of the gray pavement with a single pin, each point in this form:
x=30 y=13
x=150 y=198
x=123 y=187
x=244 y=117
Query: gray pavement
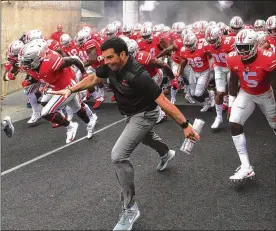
x=75 y=188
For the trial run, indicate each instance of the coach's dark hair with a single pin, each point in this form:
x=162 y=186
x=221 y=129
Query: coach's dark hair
x=116 y=43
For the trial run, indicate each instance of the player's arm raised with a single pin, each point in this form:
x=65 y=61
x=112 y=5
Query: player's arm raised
x=69 y=61
x=166 y=51
x=182 y=65
x=160 y=64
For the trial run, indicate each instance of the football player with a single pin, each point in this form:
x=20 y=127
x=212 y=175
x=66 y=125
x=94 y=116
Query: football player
x=219 y=46
x=50 y=67
x=252 y=67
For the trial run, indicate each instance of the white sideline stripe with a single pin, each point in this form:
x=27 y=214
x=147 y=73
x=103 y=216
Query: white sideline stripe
x=57 y=149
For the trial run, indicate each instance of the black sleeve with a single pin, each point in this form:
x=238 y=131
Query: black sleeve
x=102 y=71
x=144 y=84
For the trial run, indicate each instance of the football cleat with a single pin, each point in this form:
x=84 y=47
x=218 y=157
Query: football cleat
x=242 y=173
x=71 y=131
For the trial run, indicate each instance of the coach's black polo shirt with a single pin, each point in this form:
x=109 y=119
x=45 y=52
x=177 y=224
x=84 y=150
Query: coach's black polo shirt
x=133 y=87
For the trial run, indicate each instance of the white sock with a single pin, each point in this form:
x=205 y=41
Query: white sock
x=94 y=95
x=33 y=101
x=161 y=114
x=240 y=144
x=173 y=94
x=88 y=110
x=101 y=92
x=69 y=111
x=219 y=111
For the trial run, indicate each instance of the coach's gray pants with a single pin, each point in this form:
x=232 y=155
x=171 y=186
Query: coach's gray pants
x=139 y=128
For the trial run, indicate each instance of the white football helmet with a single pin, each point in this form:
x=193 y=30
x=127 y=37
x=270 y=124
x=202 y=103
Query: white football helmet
x=179 y=27
x=138 y=27
x=212 y=23
x=184 y=32
x=125 y=38
x=196 y=26
x=202 y=26
x=190 y=41
x=213 y=36
x=65 y=40
x=111 y=30
x=157 y=28
x=166 y=29
x=259 y=25
x=88 y=29
x=147 y=24
x=146 y=34
x=246 y=43
x=32 y=54
x=118 y=26
x=132 y=47
x=261 y=37
x=82 y=37
x=162 y=26
x=271 y=25
x=14 y=49
x=236 y=23
x=127 y=30
x=222 y=26
x=174 y=26
x=33 y=34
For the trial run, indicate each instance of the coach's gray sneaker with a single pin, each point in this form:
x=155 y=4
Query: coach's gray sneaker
x=127 y=218
x=165 y=160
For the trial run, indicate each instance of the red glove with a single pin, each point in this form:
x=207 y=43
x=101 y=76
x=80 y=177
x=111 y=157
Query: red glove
x=26 y=83
x=9 y=76
x=8 y=66
x=174 y=84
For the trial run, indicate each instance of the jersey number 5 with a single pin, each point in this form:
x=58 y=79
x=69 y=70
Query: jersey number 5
x=250 y=82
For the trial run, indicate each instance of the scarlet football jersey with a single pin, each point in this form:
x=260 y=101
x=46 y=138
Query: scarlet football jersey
x=219 y=54
x=200 y=37
x=232 y=33
x=144 y=58
x=198 y=59
x=174 y=36
x=53 y=44
x=253 y=76
x=178 y=44
x=97 y=36
x=135 y=35
x=49 y=71
x=89 y=45
x=272 y=41
x=71 y=50
x=151 y=47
